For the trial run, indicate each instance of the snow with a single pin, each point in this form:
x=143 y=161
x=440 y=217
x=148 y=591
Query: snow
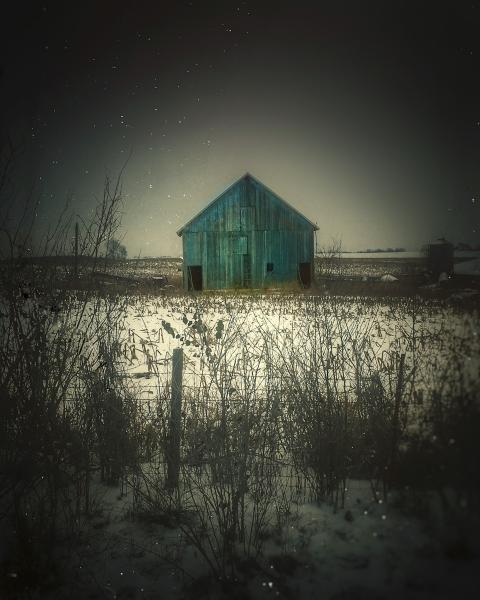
x=365 y=550
x=388 y=277
x=468 y=267
x=162 y=324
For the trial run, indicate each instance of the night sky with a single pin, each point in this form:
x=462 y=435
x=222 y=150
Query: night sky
x=363 y=115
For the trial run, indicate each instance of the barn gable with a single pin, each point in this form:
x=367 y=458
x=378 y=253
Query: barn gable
x=225 y=211
x=247 y=237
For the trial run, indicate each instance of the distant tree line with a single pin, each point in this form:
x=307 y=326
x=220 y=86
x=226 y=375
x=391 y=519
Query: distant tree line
x=371 y=250
x=385 y=250
x=466 y=246
x=116 y=250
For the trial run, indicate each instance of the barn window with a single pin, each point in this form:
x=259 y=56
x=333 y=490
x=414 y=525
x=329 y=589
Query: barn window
x=269 y=267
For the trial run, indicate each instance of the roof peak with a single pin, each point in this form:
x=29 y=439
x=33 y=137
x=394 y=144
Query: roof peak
x=246 y=175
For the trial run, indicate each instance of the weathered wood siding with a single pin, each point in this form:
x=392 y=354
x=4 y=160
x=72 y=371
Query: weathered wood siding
x=246 y=228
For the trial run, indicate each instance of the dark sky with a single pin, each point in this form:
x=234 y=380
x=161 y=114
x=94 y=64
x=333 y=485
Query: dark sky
x=363 y=115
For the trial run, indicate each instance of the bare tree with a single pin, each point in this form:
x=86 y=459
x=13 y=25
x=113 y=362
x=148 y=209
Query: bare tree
x=116 y=250
x=329 y=258
x=49 y=336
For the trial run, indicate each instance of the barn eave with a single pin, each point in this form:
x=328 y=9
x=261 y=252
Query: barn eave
x=246 y=175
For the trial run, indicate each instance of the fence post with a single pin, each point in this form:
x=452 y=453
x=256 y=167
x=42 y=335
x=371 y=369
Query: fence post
x=396 y=415
x=75 y=264
x=173 y=450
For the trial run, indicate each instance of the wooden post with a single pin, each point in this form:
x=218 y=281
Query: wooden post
x=396 y=415
x=173 y=450
x=75 y=264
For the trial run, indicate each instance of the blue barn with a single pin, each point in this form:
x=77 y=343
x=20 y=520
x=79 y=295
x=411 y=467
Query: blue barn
x=248 y=237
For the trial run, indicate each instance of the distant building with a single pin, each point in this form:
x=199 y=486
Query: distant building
x=439 y=258
x=248 y=237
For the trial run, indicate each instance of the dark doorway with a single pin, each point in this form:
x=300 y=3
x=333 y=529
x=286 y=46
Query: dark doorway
x=305 y=274
x=195 y=278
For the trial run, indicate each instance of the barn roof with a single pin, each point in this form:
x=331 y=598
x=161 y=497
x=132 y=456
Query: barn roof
x=247 y=175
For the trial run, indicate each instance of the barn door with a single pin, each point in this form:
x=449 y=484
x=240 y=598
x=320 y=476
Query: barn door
x=236 y=274
x=305 y=274
x=195 y=278
x=247 y=271
x=240 y=262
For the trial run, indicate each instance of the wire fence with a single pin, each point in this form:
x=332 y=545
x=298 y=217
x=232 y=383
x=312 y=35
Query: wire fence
x=196 y=403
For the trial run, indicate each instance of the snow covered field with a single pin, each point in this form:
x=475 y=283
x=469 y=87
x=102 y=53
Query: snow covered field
x=368 y=546
x=276 y=327
x=295 y=408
